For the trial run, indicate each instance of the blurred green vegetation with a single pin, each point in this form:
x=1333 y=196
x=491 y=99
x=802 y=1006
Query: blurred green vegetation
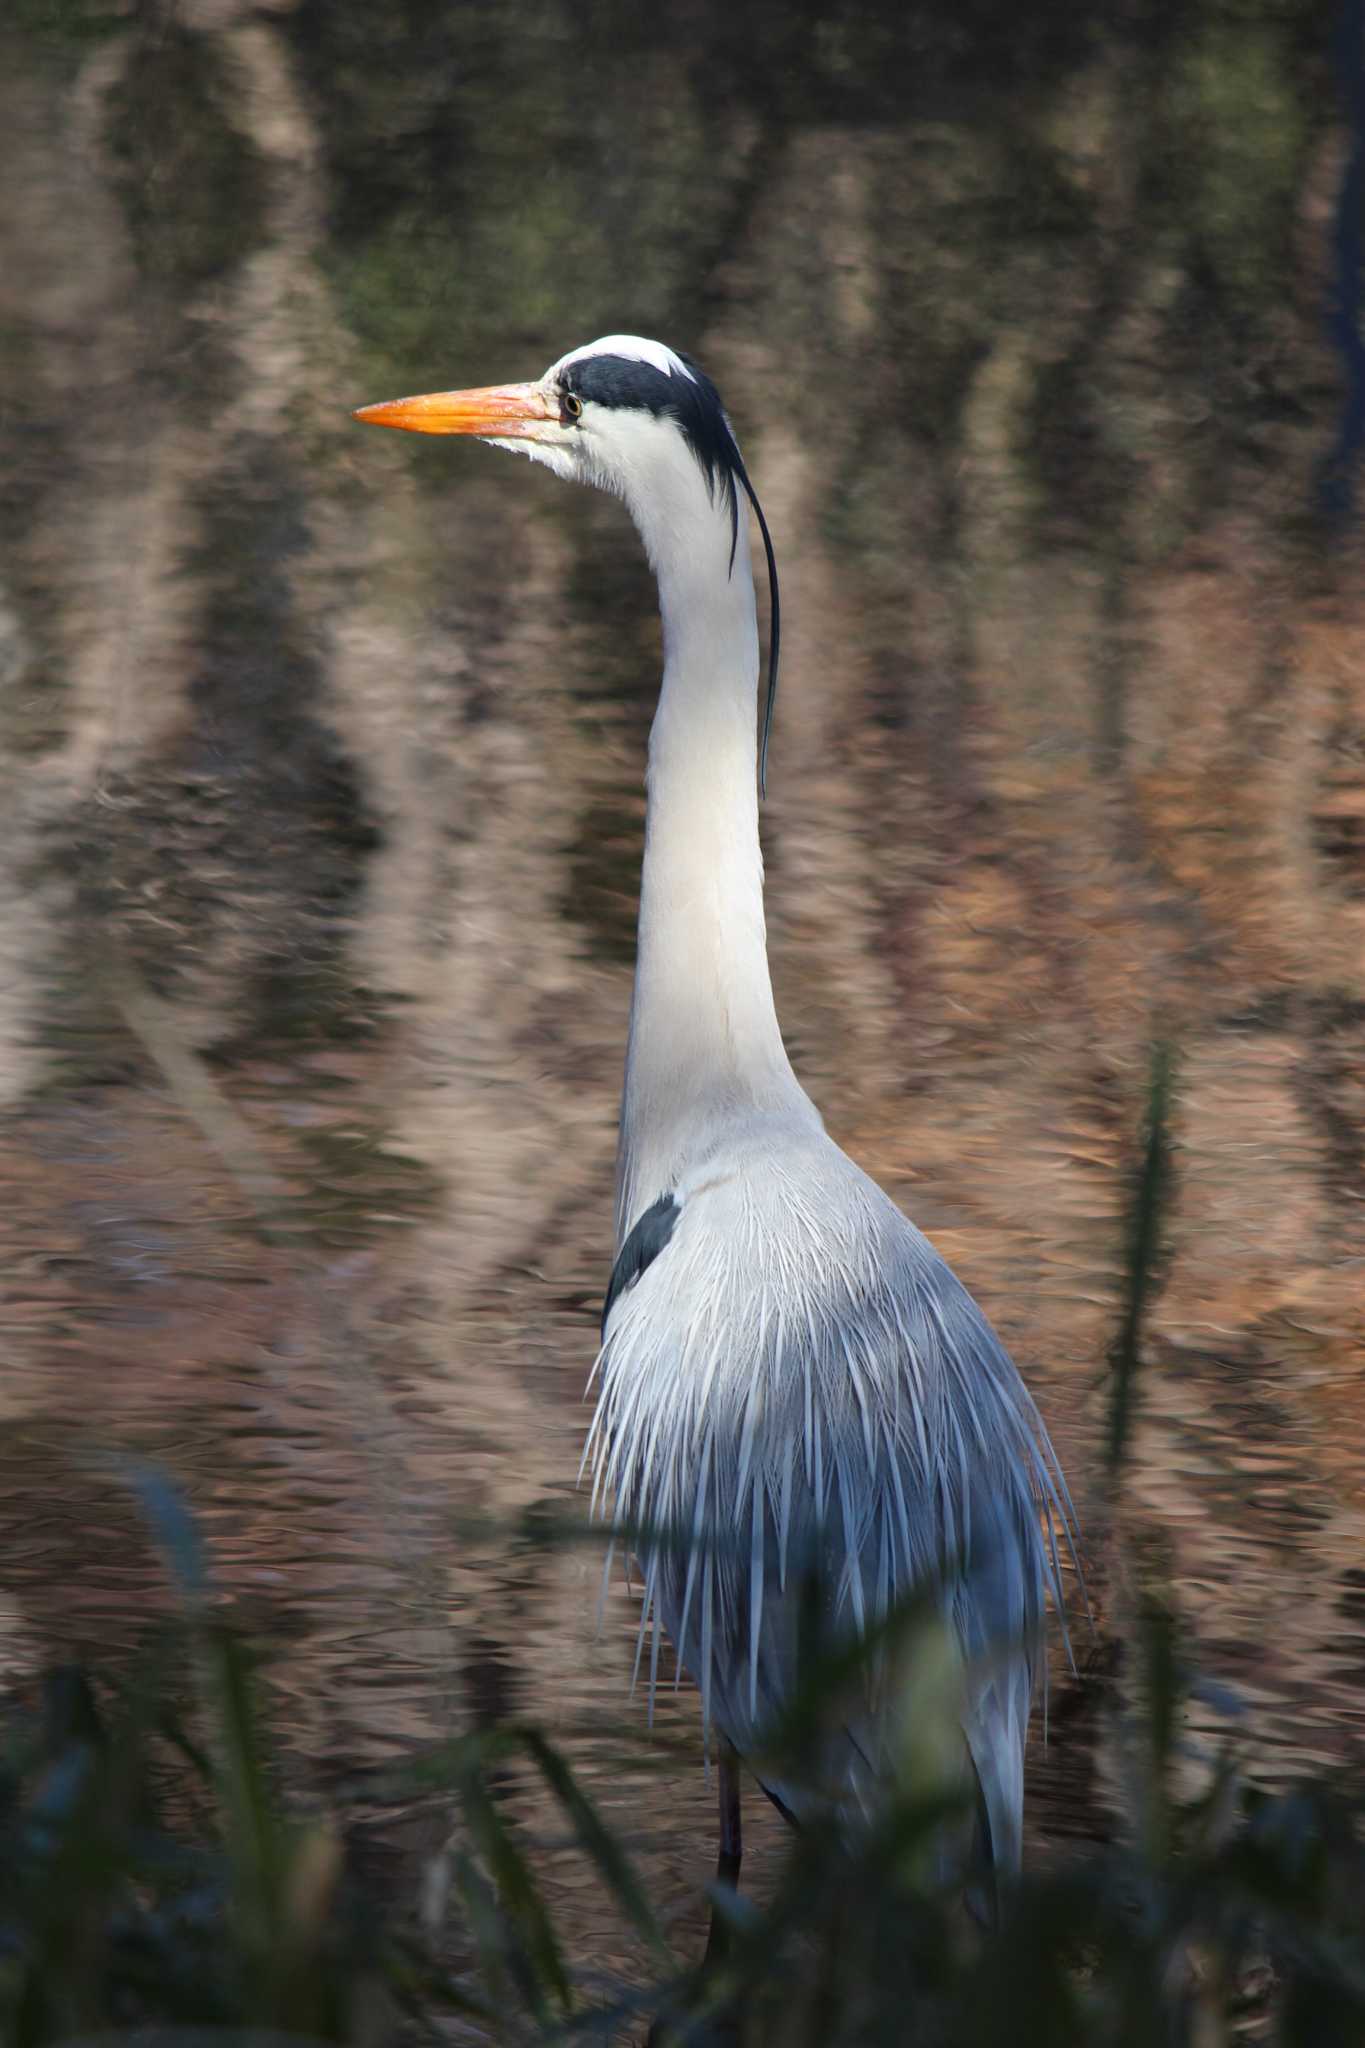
x=152 y=1872
x=62 y=32
x=1237 y=131
x=191 y=183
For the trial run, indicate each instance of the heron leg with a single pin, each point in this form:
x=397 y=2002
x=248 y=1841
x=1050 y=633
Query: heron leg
x=731 y=1845
x=727 y=1873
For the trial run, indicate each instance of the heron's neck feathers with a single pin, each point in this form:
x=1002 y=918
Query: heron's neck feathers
x=704 y=1038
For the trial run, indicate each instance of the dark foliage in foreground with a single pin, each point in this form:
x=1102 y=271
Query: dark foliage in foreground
x=146 y=1879
x=152 y=1874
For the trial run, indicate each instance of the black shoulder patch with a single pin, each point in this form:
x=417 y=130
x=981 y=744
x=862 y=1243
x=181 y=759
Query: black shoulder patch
x=648 y=1236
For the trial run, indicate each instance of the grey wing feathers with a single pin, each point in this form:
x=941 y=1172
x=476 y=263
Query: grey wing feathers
x=797 y=1376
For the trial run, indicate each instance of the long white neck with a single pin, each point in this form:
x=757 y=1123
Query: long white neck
x=704 y=1040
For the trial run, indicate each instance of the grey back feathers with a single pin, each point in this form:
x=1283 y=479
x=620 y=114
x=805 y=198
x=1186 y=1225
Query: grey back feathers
x=794 y=1375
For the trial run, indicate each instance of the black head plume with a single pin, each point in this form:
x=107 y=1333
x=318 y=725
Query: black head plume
x=694 y=405
x=774 y=625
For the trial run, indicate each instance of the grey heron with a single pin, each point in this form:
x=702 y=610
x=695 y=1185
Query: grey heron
x=786 y=1361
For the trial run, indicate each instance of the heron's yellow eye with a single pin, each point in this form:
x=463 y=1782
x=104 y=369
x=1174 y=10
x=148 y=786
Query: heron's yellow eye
x=571 y=406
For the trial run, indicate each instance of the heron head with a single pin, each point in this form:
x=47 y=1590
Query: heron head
x=627 y=414
x=633 y=417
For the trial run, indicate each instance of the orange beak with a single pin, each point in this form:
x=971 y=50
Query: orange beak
x=502 y=412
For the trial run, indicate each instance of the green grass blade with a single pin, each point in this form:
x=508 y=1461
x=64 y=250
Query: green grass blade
x=518 y=1894
x=597 y=1841
x=1143 y=1252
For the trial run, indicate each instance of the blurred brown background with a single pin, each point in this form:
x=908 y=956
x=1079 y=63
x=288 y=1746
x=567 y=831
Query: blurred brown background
x=321 y=758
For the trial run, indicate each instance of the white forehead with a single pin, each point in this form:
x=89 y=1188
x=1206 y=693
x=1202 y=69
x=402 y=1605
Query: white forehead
x=636 y=350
